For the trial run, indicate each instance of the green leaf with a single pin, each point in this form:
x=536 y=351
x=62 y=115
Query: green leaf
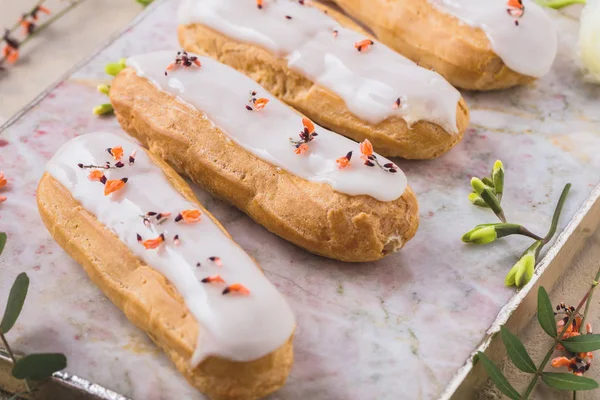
x=39 y=366
x=565 y=381
x=2 y=241
x=16 y=298
x=497 y=377
x=582 y=343
x=516 y=351
x=545 y=313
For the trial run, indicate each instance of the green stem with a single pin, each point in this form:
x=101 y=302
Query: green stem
x=46 y=24
x=559 y=3
x=589 y=301
x=557 y=211
x=557 y=339
x=526 y=232
x=8 y=349
x=12 y=357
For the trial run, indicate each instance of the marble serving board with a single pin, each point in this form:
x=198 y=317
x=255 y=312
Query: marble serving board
x=402 y=326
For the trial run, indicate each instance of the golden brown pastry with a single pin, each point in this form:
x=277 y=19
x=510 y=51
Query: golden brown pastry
x=329 y=69
x=143 y=238
x=310 y=186
x=475 y=44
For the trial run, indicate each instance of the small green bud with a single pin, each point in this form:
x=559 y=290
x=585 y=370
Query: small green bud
x=145 y=2
x=480 y=235
x=103 y=88
x=484 y=235
x=498 y=165
x=114 y=68
x=525 y=271
x=487 y=233
x=488 y=182
x=478 y=185
x=490 y=198
x=476 y=200
x=498 y=177
x=522 y=272
x=510 y=277
x=103 y=109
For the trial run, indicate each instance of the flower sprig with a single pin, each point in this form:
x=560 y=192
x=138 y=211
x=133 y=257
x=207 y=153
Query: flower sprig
x=34 y=368
x=28 y=20
x=12 y=42
x=487 y=193
x=567 y=335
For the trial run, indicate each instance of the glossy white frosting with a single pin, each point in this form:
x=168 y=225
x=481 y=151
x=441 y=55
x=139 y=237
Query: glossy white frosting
x=369 y=81
x=529 y=48
x=221 y=93
x=234 y=327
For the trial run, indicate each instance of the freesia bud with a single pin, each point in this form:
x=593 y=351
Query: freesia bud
x=522 y=272
x=488 y=196
x=478 y=185
x=525 y=271
x=498 y=177
x=488 y=182
x=510 y=277
x=114 y=68
x=476 y=200
x=103 y=88
x=487 y=233
x=480 y=235
x=103 y=109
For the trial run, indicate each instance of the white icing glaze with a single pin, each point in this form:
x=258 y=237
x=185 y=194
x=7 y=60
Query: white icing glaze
x=529 y=48
x=221 y=93
x=369 y=82
x=234 y=327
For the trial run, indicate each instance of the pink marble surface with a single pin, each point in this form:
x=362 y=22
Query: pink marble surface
x=401 y=326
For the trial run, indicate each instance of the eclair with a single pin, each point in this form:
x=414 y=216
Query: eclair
x=315 y=188
x=474 y=44
x=329 y=69
x=136 y=228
